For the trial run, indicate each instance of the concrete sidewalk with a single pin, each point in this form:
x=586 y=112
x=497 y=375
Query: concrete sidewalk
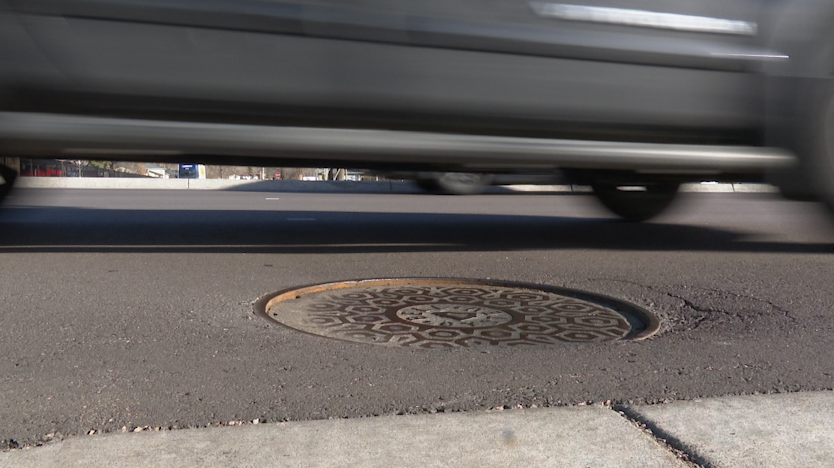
x=784 y=430
x=327 y=186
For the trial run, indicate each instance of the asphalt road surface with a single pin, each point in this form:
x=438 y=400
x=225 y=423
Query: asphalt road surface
x=134 y=308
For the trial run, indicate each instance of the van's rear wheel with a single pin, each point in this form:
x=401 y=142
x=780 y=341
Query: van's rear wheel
x=455 y=183
x=639 y=202
x=7 y=178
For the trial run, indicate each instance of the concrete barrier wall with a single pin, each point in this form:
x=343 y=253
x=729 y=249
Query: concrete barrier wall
x=218 y=184
x=323 y=186
x=211 y=184
x=100 y=183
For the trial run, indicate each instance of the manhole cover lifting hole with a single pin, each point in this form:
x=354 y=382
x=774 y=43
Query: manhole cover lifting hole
x=449 y=313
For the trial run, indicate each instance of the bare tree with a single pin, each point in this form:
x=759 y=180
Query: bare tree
x=296 y=173
x=132 y=167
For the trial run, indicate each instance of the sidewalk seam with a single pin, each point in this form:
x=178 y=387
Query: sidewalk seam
x=681 y=450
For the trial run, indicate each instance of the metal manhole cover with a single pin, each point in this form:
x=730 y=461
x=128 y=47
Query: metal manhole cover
x=448 y=313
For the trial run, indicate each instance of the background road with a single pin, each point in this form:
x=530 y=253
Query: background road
x=134 y=307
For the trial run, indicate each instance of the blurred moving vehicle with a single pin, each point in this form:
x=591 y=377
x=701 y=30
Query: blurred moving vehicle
x=632 y=97
x=192 y=171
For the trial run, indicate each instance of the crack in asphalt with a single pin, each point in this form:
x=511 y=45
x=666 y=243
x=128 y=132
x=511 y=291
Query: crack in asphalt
x=697 y=321
x=786 y=312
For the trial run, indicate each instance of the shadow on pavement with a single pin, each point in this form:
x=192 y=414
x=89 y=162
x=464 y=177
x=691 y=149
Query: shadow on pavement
x=51 y=229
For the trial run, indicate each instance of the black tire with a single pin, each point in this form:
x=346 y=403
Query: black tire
x=636 y=203
x=428 y=185
x=8 y=175
x=455 y=183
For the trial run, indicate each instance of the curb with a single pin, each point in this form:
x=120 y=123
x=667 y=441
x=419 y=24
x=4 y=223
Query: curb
x=788 y=430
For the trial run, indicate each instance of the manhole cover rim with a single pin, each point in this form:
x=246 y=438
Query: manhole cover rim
x=267 y=301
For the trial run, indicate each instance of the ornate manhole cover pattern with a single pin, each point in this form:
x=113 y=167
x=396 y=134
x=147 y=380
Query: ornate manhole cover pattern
x=449 y=313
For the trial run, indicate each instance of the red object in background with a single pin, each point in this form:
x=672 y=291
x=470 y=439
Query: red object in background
x=277 y=175
x=39 y=170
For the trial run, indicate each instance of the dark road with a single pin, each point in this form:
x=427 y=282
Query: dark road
x=126 y=308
